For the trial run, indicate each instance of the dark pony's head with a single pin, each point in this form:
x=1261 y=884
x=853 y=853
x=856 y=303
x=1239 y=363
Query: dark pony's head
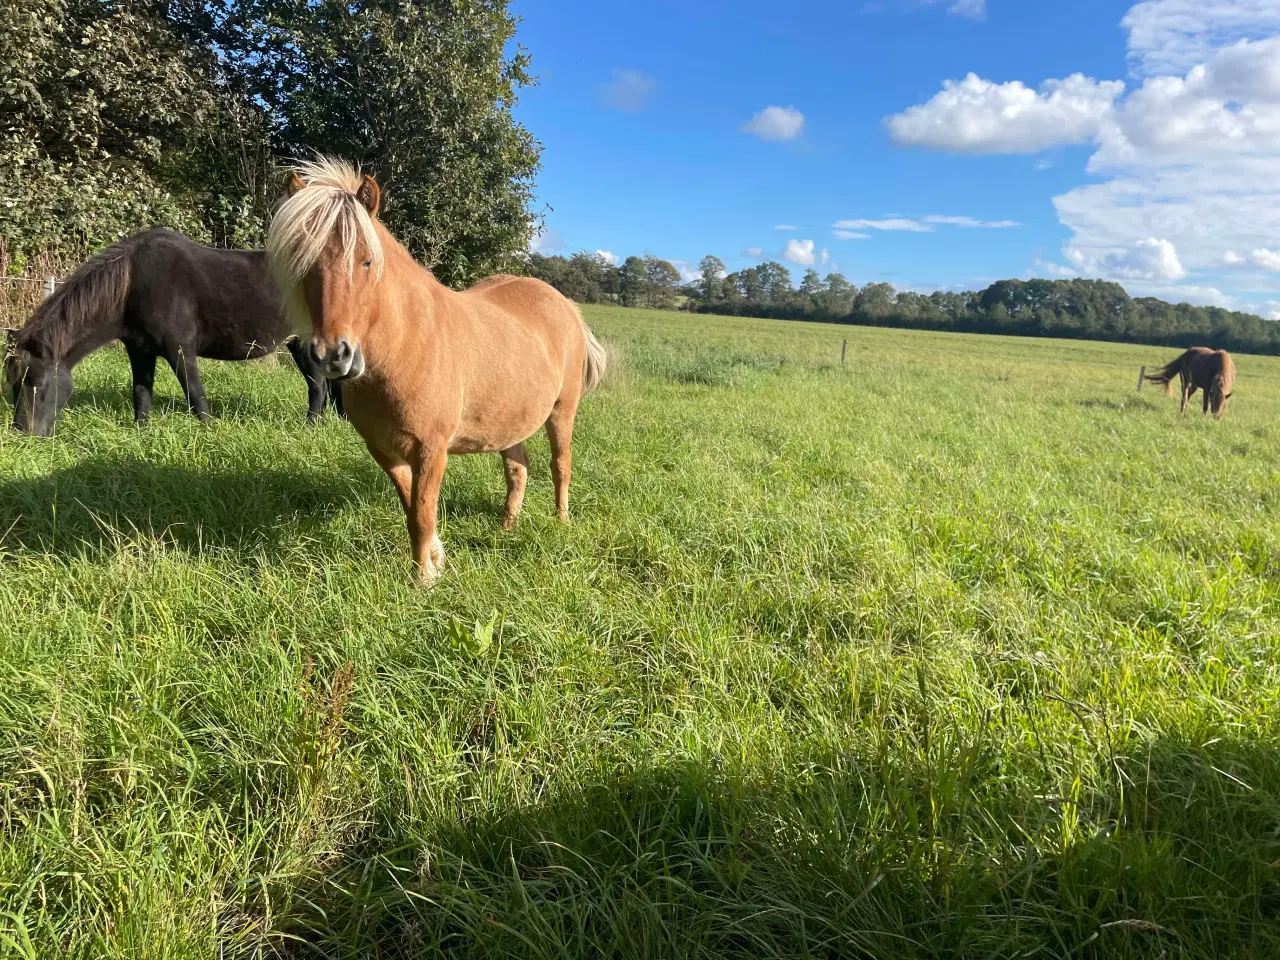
x=38 y=386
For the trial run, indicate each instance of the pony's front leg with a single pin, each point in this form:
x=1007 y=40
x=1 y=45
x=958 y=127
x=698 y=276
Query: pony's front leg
x=1187 y=390
x=428 y=552
x=143 y=365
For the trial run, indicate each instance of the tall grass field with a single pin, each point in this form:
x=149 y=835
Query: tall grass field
x=964 y=648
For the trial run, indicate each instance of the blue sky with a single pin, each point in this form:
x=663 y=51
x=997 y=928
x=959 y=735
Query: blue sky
x=1116 y=136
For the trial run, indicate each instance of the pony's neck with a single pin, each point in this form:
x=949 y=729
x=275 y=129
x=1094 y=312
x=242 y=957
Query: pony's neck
x=406 y=309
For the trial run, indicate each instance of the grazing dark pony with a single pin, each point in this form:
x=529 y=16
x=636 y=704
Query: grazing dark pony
x=163 y=295
x=1201 y=368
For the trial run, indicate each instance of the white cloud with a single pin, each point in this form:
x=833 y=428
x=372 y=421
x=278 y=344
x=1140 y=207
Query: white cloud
x=850 y=235
x=776 y=123
x=978 y=116
x=547 y=241
x=1043 y=164
x=1185 y=165
x=608 y=257
x=800 y=252
x=891 y=223
x=1171 y=36
x=629 y=91
x=754 y=253
x=688 y=271
x=971 y=222
x=1150 y=260
x=975 y=9
x=785 y=226
x=1267 y=259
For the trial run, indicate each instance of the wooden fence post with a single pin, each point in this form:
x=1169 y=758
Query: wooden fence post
x=1142 y=376
x=50 y=285
x=844 y=345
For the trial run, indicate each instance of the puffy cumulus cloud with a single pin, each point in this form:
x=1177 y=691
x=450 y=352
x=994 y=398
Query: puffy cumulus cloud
x=776 y=123
x=974 y=115
x=1172 y=36
x=609 y=257
x=628 y=90
x=1190 y=156
x=800 y=252
x=1228 y=105
x=1149 y=260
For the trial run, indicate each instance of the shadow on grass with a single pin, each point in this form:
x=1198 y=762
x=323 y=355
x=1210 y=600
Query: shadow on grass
x=877 y=860
x=99 y=503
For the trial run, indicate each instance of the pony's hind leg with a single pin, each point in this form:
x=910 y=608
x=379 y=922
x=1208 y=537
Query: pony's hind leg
x=515 y=462
x=143 y=364
x=183 y=361
x=560 y=433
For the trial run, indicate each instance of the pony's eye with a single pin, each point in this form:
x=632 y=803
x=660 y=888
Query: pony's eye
x=367 y=264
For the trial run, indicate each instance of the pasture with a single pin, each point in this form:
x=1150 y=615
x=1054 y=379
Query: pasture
x=964 y=649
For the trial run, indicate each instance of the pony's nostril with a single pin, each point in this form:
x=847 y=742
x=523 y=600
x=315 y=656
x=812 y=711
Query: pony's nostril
x=344 y=349
x=317 y=355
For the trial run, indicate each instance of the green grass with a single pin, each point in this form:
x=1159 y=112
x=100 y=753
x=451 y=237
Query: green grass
x=964 y=649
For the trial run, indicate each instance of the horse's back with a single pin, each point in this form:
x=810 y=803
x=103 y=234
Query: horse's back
x=527 y=300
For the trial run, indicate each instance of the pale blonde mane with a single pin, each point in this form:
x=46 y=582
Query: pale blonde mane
x=302 y=226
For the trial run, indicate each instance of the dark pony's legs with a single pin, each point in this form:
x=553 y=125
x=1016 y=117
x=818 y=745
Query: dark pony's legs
x=183 y=360
x=319 y=389
x=317 y=386
x=142 y=360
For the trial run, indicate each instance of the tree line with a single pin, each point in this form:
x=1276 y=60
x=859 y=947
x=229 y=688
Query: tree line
x=115 y=116
x=1082 y=309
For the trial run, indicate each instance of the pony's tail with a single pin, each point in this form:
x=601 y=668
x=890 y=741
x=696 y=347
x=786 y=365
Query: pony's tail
x=594 y=359
x=95 y=294
x=1166 y=375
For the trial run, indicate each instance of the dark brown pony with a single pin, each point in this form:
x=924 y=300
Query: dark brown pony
x=427 y=371
x=1201 y=369
x=163 y=295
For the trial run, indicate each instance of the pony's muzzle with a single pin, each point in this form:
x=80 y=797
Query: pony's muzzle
x=343 y=361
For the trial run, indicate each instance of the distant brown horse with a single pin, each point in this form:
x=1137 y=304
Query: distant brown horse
x=1201 y=368
x=427 y=371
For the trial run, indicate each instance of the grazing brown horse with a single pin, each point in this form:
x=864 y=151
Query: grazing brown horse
x=427 y=371
x=1201 y=368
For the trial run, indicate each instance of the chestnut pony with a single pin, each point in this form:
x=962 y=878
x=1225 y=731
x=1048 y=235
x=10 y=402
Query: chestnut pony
x=427 y=371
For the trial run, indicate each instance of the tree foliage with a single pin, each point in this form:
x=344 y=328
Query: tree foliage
x=115 y=116
x=419 y=93
x=1087 y=309
x=107 y=113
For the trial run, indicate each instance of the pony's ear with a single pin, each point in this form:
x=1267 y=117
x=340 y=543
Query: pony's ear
x=292 y=183
x=369 y=195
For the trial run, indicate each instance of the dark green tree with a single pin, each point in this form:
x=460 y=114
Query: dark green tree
x=712 y=284
x=112 y=120
x=419 y=93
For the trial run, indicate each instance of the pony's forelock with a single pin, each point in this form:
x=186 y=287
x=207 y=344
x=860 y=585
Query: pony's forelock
x=302 y=226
